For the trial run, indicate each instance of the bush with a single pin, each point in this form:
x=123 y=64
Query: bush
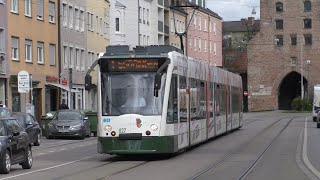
x=299 y=104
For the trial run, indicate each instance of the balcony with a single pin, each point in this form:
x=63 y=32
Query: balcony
x=160 y=26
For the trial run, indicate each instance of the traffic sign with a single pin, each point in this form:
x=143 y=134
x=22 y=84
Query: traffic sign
x=23 y=82
x=245 y=93
x=64 y=82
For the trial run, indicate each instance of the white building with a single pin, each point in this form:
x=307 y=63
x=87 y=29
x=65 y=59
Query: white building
x=135 y=22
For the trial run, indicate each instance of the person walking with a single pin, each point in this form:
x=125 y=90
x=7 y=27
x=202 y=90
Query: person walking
x=63 y=105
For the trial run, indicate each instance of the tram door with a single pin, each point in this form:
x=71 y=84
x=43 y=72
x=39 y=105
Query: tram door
x=184 y=122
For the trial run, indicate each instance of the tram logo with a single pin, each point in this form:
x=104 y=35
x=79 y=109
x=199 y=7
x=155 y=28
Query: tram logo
x=138 y=122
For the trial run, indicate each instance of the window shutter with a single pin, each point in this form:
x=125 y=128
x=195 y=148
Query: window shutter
x=15 y=42
x=51 y=8
x=40 y=8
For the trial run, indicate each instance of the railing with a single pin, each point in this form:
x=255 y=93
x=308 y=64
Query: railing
x=160 y=26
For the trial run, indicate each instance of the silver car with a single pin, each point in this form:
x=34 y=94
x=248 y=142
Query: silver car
x=69 y=122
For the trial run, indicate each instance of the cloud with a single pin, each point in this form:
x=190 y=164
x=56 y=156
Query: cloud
x=233 y=10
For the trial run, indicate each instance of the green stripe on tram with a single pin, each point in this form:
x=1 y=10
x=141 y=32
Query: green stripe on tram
x=148 y=145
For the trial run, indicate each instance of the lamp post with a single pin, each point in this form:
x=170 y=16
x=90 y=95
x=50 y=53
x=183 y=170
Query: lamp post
x=308 y=64
x=302 y=88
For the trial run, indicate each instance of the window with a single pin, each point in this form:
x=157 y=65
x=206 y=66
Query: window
x=293 y=39
x=52 y=49
x=101 y=26
x=143 y=18
x=183 y=99
x=76 y=15
x=117 y=25
x=27 y=8
x=65 y=14
x=205 y=24
x=294 y=60
x=12 y=126
x=195 y=43
x=210 y=47
x=172 y=113
x=147 y=16
x=90 y=21
x=52 y=11
x=205 y=45
x=172 y=25
x=14 y=48
x=215 y=48
x=199 y=44
x=140 y=14
x=97 y=24
x=77 y=56
x=70 y=17
x=279 y=40
x=71 y=57
x=82 y=60
x=195 y=22
x=40 y=9
x=82 y=20
x=279 y=7
x=14 y=6
x=40 y=47
x=307 y=23
x=279 y=24
x=199 y=23
x=308 y=39
x=65 y=57
x=215 y=28
x=190 y=42
x=307 y=6
x=28 y=50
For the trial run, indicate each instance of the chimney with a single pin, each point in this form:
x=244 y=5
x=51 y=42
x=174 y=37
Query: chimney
x=250 y=21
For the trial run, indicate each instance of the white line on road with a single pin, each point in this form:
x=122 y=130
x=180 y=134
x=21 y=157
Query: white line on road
x=304 y=152
x=52 y=167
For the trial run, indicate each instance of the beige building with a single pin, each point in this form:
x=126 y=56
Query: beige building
x=33 y=47
x=98 y=40
x=177 y=24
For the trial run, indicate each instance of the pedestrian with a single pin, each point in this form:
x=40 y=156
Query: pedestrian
x=63 y=105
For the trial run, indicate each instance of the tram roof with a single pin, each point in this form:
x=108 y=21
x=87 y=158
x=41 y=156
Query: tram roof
x=122 y=51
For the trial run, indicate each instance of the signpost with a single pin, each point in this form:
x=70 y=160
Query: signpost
x=23 y=82
x=245 y=93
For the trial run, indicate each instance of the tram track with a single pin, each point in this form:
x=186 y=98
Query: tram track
x=61 y=144
x=243 y=146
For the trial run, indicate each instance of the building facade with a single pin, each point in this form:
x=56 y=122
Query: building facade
x=33 y=46
x=3 y=51
x=75 y=20
x=204 y=36
x=133 y=22
x=283 y=58
x=98 y=40
x=178 y=23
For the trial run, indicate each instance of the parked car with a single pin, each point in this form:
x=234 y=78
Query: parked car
x=69 y=122
x=30 y=125
x=15 y=146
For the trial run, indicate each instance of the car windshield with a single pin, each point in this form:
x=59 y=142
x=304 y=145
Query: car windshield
x=131 y=93
x=20 y=119
x=68 y=115
x=2 y=129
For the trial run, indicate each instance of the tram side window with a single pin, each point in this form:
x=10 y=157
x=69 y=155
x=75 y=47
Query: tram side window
x=202 y=98
x=194 y=106
x=172 y=113
x=211 y=104
x=183 y=98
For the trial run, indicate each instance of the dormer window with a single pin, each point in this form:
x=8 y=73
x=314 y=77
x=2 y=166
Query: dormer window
x=279 y=7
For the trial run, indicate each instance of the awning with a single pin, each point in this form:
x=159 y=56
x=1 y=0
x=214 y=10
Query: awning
x=66 y=88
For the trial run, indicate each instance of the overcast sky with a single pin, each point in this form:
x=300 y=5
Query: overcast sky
x=234 y=10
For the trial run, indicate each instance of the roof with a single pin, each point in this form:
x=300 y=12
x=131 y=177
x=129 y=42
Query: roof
x=120 y=4
x=205 y=10
x=238 y=26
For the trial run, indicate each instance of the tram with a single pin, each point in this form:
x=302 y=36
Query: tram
x=155 y=100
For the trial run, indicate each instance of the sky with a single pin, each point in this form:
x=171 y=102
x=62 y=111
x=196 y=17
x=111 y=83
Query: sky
x=234 y=10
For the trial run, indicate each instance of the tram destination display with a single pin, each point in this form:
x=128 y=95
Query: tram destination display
x=125 y=65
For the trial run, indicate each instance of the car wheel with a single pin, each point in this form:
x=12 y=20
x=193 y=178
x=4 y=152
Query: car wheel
x=5 y=165
x=314 y=119
x=27 y=163
x=38 y=141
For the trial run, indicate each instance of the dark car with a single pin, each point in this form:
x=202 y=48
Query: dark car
x=69 y=122
x=15 y=145
x=30 y=125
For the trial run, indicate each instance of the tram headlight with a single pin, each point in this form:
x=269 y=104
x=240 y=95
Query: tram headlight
x=154 y=127
x=108 y=128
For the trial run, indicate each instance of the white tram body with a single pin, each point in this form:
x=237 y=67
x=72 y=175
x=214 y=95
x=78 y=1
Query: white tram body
x=195 y=101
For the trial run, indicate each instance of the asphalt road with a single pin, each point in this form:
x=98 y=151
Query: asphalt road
x=270 y=145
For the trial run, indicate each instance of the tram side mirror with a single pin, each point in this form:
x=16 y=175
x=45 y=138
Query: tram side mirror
x=157 y=84
x=88 y=83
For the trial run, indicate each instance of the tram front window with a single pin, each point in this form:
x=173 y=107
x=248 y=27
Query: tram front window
x=130 y=94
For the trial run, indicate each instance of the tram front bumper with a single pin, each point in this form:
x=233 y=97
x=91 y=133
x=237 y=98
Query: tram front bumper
x=147 y=145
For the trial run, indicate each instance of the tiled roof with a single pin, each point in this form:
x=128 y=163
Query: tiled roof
x=238 y=26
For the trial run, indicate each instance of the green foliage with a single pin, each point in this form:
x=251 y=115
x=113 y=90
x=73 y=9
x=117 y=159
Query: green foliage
x=299 y=104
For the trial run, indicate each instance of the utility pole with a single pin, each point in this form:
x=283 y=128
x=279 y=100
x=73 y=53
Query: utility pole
x=302 y=87
x=70 y=87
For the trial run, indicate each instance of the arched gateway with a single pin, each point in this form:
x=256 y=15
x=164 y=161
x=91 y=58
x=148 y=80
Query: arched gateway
x=290 y=88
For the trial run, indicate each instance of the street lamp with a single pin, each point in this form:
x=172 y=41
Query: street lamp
x=302 y=87
x=308 y=63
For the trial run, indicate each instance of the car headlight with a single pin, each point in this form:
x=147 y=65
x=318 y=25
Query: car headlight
x=154 y=127
x=77 y=127
x=108 y=128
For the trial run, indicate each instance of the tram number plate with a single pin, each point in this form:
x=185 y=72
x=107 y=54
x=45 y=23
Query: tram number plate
x=122 y=130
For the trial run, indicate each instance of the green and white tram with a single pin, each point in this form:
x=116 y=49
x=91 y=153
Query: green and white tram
x=155 y=100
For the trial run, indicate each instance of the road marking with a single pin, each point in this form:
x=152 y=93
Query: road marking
x=51 y=151
x=44 y=169
x=304 y=152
